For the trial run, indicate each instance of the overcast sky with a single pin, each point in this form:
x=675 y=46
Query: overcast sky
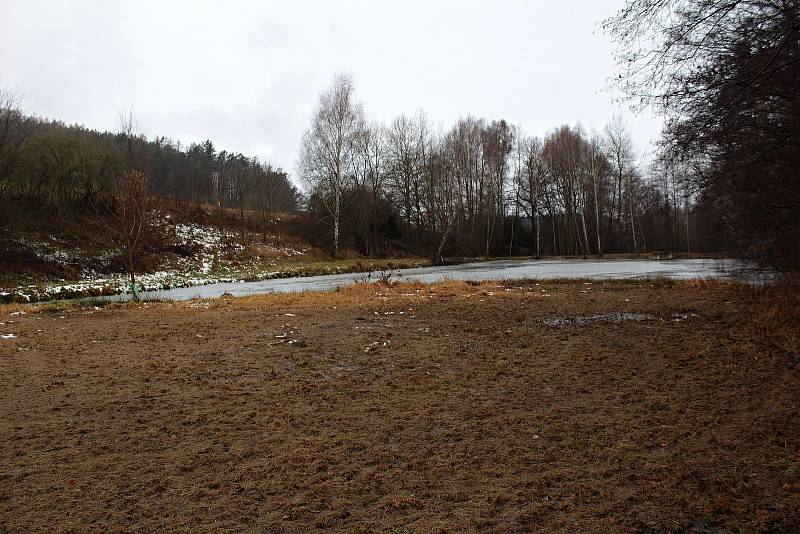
x=247 y=74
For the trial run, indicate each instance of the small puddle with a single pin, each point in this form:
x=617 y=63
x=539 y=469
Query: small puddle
x=582 y=320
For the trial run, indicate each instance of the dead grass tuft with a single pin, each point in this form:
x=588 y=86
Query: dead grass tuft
x=776 y=314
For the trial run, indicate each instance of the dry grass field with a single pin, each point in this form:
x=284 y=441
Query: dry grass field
x=514 y=407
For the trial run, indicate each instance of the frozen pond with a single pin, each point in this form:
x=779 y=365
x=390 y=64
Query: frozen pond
x=489 y=270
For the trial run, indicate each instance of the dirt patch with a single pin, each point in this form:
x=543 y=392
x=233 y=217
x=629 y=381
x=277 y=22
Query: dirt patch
x=411 y=408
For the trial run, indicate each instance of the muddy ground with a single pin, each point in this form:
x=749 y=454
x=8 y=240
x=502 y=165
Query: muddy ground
x=455 y=408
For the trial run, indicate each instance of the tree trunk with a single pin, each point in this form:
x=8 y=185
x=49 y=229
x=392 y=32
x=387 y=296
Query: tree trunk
x=633 y=223
x=336 y=209
x=438 y=257
x=597 y=216
x=585 y=234
x=132 y=272
x=688 y=249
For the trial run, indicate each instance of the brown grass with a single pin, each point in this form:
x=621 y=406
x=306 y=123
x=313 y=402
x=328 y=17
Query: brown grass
x=776 y=314
x=465 y=413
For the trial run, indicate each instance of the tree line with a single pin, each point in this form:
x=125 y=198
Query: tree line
x=485 y=188
x=726 y=75
x=68 y=167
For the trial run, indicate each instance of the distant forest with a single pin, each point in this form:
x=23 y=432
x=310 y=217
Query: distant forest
x=66 y=167
x=484 y=188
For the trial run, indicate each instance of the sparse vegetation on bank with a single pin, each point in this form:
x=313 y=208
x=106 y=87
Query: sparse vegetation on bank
x=195 y=245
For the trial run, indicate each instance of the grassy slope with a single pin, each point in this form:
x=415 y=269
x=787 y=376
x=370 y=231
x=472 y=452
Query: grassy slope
x=45 y=257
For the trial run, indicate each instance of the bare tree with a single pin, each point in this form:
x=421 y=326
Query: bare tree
x=726 y=74
x=372 y=145
x=498 y=142
x=372 y=170
x=330 y=147
x=563 y=152
x=531 y=177
x=128 y=218
x=596 y=169
x=618 y=148
x=10 y=133
x=404 y=166
x=128 y=129
x=443 y=191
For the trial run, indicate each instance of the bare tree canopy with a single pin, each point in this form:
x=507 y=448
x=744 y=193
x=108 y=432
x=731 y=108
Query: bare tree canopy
x=128 y=218
x=329 y=153
x=727 y=75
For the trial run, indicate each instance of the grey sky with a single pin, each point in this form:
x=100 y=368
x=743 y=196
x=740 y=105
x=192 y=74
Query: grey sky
x=247 y=74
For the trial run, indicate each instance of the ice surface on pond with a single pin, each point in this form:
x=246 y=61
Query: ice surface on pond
x=481 y=271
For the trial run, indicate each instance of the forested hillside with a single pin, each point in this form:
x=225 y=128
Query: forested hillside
x=65 y=168
x=82 y=207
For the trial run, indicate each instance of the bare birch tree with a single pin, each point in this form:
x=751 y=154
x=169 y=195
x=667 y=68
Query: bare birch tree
x=329 y=150
x=596 y=169
x=618 y=147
